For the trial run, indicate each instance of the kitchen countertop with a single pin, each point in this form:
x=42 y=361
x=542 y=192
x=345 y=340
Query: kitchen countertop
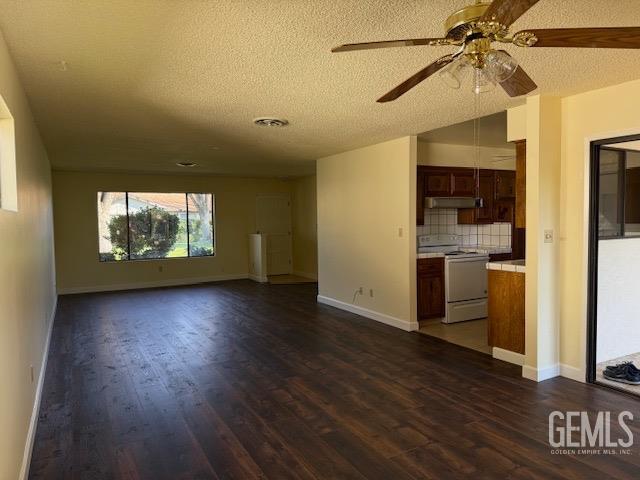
x=430 y=255
x=517 y=266
x=492 y=249
x=486 y=249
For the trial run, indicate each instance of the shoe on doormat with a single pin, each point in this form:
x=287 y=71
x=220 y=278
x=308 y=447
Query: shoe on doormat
x=623 y=373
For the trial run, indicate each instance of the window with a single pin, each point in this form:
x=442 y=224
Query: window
x=8 y=184
x=146 y=225
x=619 y=193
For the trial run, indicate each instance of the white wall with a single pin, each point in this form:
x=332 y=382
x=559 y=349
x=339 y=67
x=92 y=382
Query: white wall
x=366 y=231
x=448 y=155
x=618 y=299
x=27 y=296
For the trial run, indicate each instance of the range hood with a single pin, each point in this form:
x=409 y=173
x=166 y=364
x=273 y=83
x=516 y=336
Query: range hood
x=452 y=202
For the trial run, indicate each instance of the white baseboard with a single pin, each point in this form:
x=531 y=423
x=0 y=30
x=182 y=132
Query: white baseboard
x=573 y=373
x=508 y=356
x=373 y=315
x=258 y=278
x=540 y=374
x=33 y=423
x=312 y=276
x=152 y=284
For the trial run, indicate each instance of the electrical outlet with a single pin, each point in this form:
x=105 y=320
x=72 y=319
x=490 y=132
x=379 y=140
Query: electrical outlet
x=371 y=292
x=548 y=236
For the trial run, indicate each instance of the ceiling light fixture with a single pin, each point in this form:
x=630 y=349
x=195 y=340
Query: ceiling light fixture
x=270 y=122
x=489 y=69
x=186 y=164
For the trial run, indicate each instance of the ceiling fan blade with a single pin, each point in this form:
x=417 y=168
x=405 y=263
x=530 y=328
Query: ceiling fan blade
x=411 y=82
x=409 y=42
x=506 y=12
x=607 y=37
x=519 y=83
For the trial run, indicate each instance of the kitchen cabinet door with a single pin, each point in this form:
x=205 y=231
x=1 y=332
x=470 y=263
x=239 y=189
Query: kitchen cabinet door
x=504 y=211
x=521 y=184
x=437 y=183
x=464 y=183
x=486 y=190
x=431 y=301
x=430 y=296
x=420 y=197
x=484 y=215
x=505 y=184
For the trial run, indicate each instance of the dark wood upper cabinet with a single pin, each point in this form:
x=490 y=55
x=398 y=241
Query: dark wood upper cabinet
x=486 y=190
x=493 y=186
x=521 y=184
x=437 y=183
x=504 y=211
x=505 y=184
x=420 y=197
x=464 y=182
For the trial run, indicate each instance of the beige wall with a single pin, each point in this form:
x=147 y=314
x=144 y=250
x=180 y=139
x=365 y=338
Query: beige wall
x=366 y=231
x=448 y=155
x=598 y=114
x=574 y=123
x=305 y=226
x=78 y=268
x=543 y=132
x=27 y=296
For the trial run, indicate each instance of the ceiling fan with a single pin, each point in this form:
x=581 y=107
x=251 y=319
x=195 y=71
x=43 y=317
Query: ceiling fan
x=476 y=27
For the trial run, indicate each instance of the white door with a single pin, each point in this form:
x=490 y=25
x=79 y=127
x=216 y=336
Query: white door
x=273 y=218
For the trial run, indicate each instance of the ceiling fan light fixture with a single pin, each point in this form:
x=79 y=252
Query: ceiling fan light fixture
x=453 y=74
x=500 y=65
x=482 y=81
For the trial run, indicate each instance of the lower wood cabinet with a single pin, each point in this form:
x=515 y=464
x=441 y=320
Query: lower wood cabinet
x=431 y=302
x=506 y=310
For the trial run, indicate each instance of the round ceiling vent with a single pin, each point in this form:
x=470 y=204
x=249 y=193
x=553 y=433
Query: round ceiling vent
x=186 y=164
x=270 y=122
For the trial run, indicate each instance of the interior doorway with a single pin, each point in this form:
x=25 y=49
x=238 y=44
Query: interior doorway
x=273 y=219
x=614 y=264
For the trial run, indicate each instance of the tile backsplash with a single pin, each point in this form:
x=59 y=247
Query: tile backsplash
x=445 y=220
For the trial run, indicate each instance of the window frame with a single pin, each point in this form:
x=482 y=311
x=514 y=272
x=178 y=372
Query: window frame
x=186 y=257
x=622 y=187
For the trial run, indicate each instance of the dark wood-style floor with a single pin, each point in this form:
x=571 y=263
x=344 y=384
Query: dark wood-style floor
x=241 y=380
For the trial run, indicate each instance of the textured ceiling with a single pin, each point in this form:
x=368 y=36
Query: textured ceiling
x=492 y=132
x=148 y=83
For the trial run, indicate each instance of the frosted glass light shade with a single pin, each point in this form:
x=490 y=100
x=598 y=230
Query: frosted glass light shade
x=500 y=66
x=453 y=74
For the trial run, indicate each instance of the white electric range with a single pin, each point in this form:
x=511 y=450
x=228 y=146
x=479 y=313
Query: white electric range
x=465 y=277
